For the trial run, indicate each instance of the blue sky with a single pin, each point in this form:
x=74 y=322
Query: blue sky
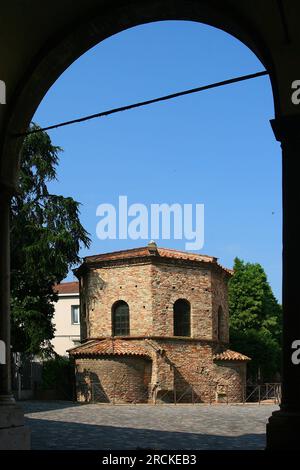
x=215 y=148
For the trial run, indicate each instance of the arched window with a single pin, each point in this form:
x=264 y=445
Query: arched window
x=120 y=319
x=220 y=323
x=182 y=318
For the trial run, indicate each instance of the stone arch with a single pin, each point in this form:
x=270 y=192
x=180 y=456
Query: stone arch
x=271 y=33
x=63 y=48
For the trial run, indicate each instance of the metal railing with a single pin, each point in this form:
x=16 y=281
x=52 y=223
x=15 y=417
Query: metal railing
x=120 y=391
x=263 y=392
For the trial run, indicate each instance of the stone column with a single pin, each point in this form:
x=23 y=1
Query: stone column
x=5 y=369
x=283 y=426
x=13 y=433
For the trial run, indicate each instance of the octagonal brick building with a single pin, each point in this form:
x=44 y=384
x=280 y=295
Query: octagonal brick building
x=154 y=328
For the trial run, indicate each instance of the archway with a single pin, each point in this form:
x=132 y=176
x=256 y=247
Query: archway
x=63 y=49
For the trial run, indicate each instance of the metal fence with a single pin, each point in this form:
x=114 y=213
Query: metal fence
x=26 y=375
x=268 y=392
x=27 y=381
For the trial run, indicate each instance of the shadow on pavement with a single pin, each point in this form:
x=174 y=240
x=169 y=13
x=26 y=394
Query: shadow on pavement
x=59 y=435
x=32 y=406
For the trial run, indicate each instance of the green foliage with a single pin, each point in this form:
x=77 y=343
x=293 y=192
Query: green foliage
x=57 y=375
x=263 y=349
x=46 y=235
x=255 y=319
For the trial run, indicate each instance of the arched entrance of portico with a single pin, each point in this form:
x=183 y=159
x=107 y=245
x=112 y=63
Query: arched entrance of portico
x=55 y=53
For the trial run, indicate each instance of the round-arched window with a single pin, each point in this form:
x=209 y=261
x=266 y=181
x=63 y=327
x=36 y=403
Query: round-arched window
x=120 y=319
x=182 y=318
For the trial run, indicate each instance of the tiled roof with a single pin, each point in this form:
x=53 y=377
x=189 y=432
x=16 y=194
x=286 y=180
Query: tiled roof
x=67 y=288
x=145 y=251
x=109 y=347
x=148 y=251
x=228 y=355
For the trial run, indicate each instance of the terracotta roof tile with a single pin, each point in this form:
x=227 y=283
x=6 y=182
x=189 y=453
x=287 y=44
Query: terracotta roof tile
x=124 y=254
x=145 y=252
x=176 y=254
x=67 y=288
x=228 y=355
x=109 y=347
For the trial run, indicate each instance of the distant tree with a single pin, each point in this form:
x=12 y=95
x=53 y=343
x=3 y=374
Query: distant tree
x=58 y=374
x=46 y=235
x=255 y=319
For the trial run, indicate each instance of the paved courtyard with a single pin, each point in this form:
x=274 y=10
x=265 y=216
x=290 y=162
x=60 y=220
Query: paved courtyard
x=67 y=425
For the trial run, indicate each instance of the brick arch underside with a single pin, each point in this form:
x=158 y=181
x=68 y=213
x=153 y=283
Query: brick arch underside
x=61 y=48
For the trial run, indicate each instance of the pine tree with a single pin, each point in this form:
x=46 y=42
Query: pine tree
x=46 y=235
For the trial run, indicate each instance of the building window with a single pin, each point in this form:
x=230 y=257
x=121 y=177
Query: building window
x=120 y=319
x=220 y=323
x=75 y=314
x=182 y=318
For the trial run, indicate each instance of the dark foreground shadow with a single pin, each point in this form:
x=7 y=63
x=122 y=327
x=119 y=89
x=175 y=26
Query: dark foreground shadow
x=61 y=435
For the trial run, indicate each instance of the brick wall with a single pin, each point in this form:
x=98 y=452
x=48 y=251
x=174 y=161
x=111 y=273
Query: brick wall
x=172 y=282
x=184 y=367
x=231 y=381
x=130 y=283
x=174 y=368
x=194 y=368
x=150 y=289
x=220 y=299
x=123 y=379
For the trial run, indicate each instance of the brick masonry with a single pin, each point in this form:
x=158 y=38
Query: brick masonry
x=131 y=377
x=169 y=367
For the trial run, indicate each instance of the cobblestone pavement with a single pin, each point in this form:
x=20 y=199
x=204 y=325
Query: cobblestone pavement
x=67 y=425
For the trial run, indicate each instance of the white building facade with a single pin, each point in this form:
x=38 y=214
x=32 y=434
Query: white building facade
x=66 y=318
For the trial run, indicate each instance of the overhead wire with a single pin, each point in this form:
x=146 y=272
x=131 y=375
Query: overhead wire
x=143 y=103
